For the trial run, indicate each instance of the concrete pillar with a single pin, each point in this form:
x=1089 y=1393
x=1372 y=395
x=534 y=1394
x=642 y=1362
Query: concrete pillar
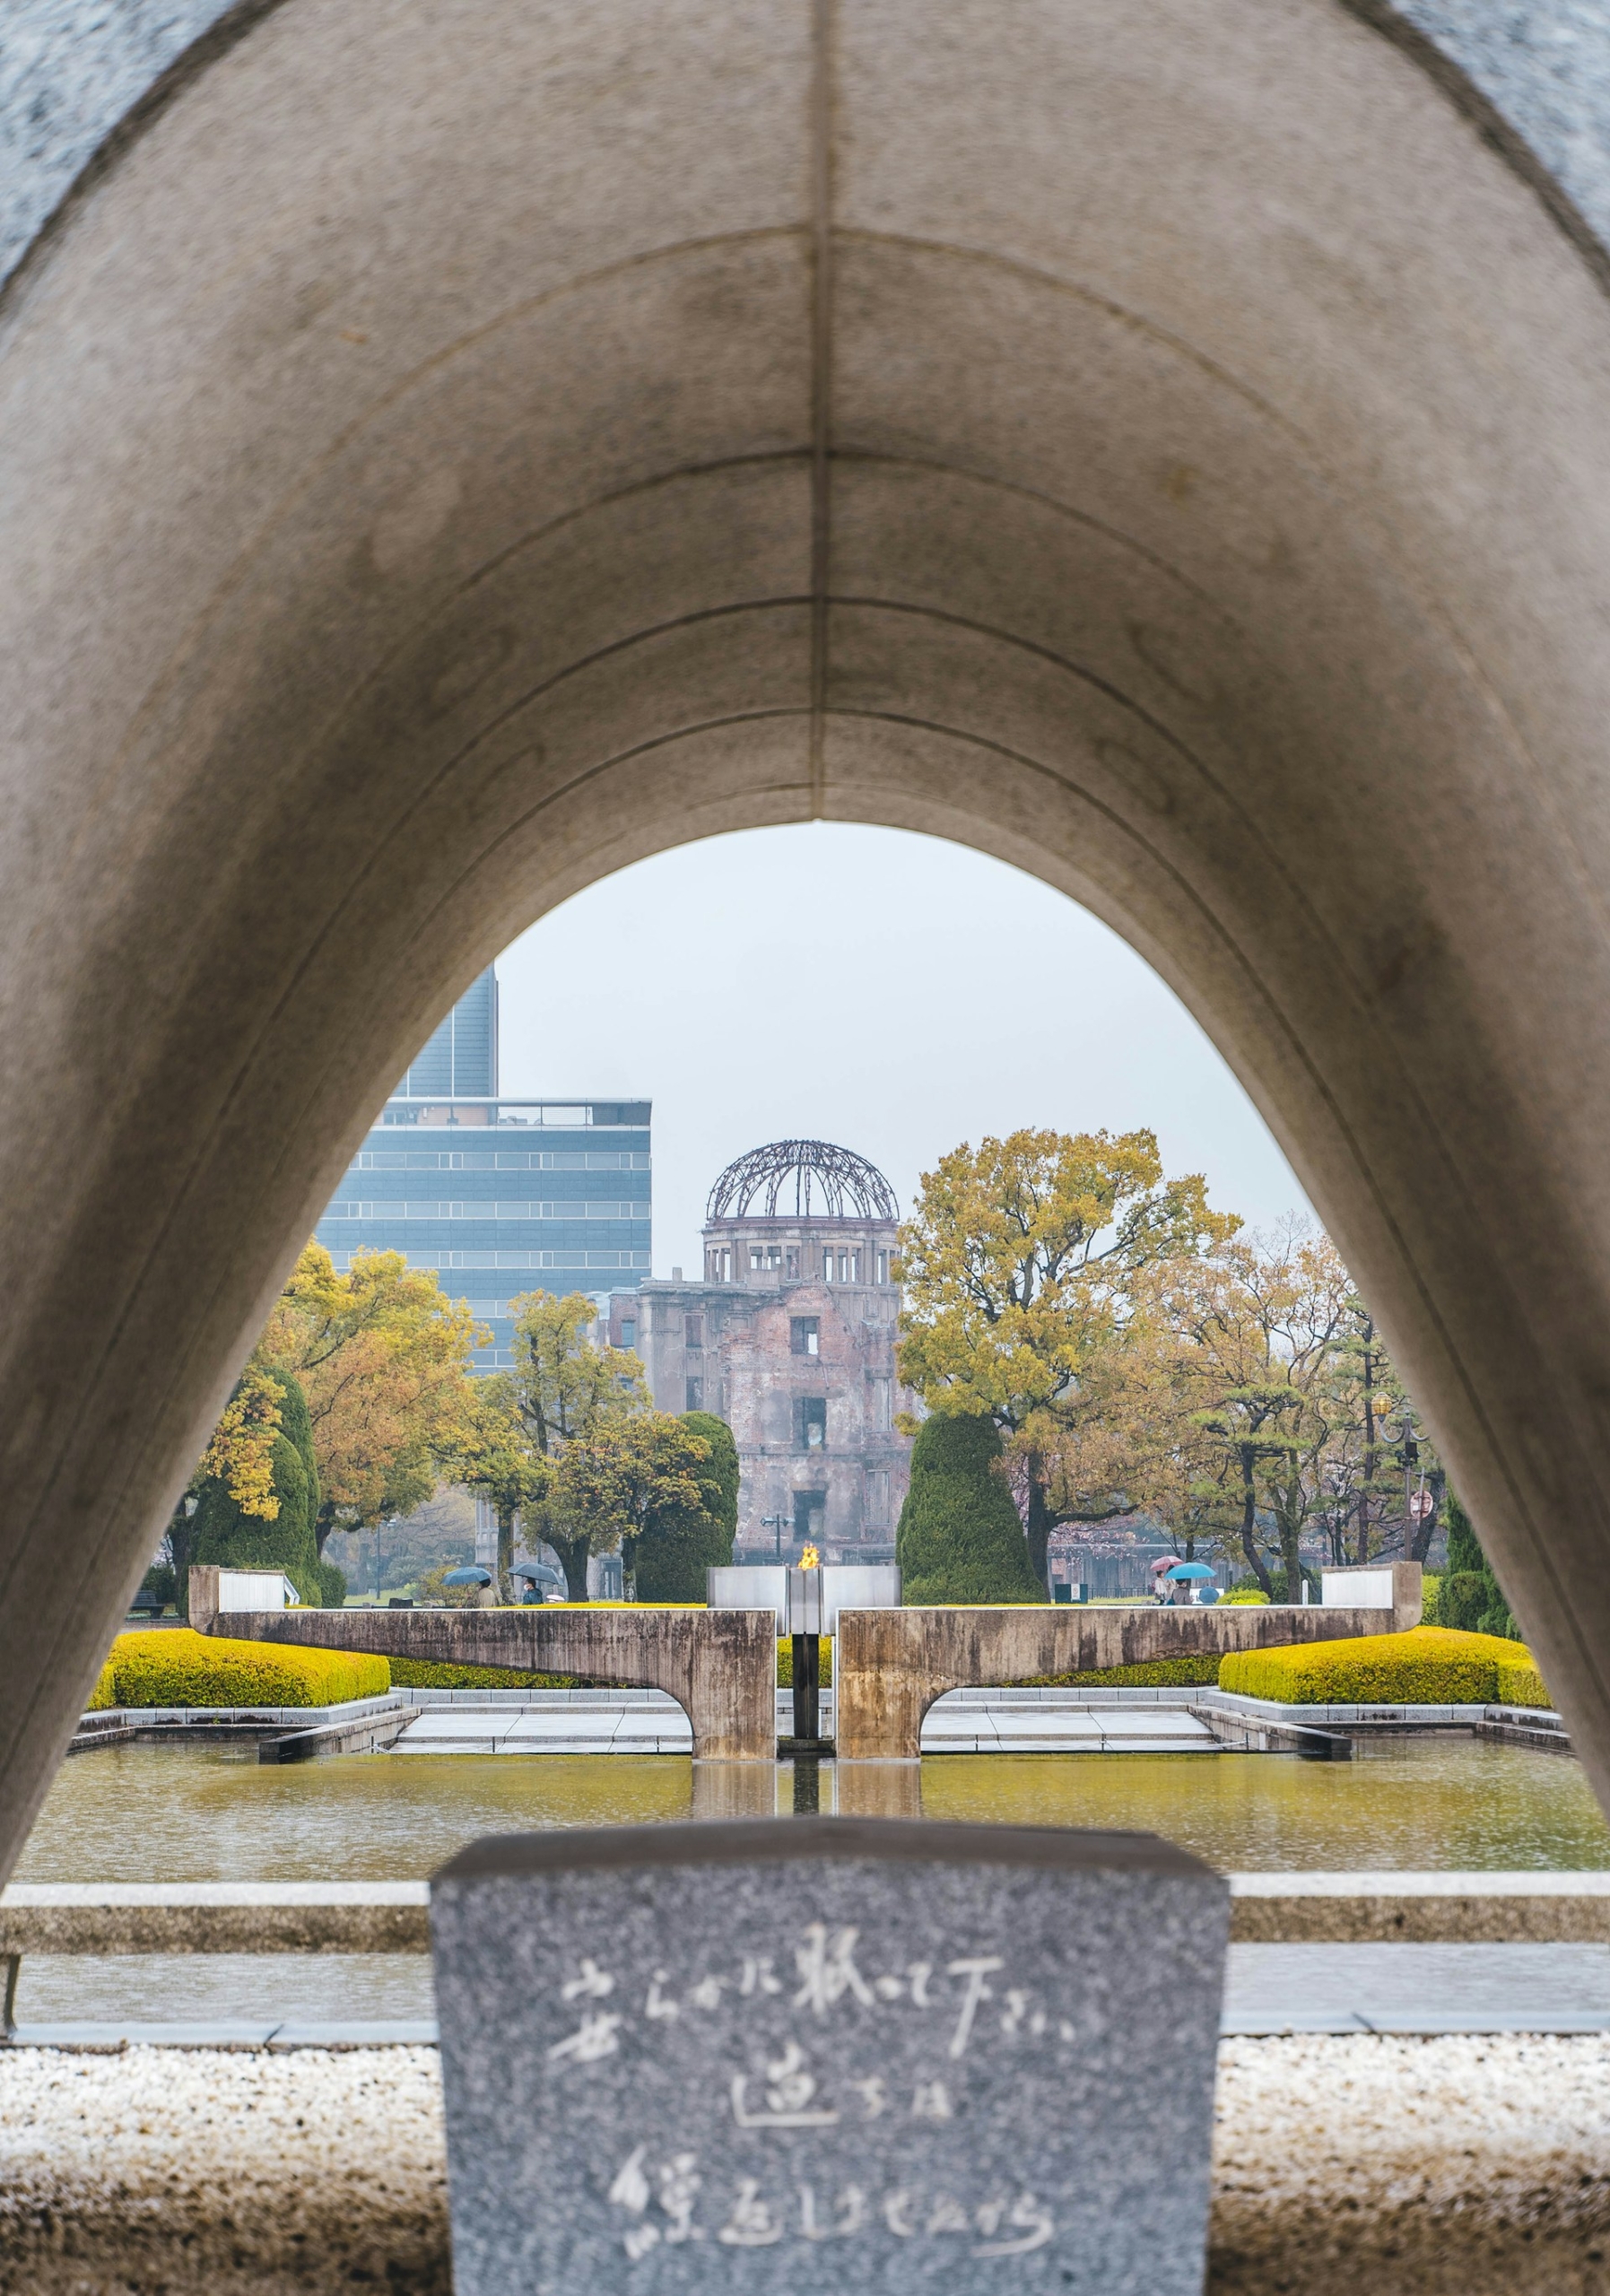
x=203 y=1612
x=449 y=452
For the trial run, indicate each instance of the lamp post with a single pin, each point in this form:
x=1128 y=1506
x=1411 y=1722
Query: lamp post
x=775 y=1523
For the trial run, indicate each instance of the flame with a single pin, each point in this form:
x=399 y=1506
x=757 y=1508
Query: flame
x=809 y=1559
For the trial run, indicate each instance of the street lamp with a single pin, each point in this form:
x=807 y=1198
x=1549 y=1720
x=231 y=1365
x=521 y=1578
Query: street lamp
x=775 y=1523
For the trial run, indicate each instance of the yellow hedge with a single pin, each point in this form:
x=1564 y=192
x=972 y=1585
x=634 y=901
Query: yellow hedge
x=105 y=1693
x=1519 y=1683
x=1147 y=1674
x=176 y=1666
x=434 y=1673
x=1429 y=1665
x=785 y=1663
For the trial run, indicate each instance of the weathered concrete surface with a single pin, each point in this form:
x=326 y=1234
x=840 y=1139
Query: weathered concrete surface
x=215 y=1917
x=1444 y=1909
x=720 y=1666
x=888 y=1667
x=452 y=450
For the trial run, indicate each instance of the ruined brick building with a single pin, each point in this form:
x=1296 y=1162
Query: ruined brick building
x=790 y=1338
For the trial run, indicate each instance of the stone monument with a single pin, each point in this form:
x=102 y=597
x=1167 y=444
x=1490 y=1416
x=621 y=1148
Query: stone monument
x=880 y=2055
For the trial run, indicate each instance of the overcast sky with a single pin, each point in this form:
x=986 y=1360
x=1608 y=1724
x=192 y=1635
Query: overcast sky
x=892 y=993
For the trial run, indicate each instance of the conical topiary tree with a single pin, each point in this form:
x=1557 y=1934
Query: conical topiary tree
x=1470 y=1595
x=679 y=1543
x=960 y=1539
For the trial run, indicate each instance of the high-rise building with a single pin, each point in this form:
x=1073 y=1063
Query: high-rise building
x=461 y=1060
x=501 y=1196
x=791 y=1339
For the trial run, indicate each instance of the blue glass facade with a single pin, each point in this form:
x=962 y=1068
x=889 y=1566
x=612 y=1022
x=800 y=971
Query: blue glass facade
x=501 y=1196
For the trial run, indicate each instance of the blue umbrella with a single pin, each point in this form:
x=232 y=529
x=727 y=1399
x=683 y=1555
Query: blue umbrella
x=471 y=1575
x=1190 y=1571
x=539 y=1574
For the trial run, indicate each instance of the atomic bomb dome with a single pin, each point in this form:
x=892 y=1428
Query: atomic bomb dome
x=790 y=1338
x=801 y=1179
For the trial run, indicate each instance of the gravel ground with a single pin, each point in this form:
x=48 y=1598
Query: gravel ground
x=1447 y=2166
x=1383 y=2166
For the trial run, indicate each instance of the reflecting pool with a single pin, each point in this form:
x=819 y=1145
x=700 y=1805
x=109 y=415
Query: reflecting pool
x=137 y=1813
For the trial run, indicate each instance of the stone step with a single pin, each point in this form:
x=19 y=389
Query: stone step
x=662 y=1728
x=976 y=1728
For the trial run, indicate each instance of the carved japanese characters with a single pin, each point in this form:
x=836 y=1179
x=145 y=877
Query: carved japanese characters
x=949 y=2058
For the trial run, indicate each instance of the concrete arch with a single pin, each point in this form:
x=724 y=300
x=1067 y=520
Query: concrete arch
x=449 y=454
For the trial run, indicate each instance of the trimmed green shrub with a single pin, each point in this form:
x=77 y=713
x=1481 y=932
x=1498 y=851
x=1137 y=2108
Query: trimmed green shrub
x=1464 y=1598
x=679 y=1543
x=785 y=1662
x=1244 y=1594
x=176 y=1666
x=424 y=1673
x=1429 y=1665
x=1431 y=1586
x=220 y=1532
x=960 y=1539
x=1157 y=1674
x=332 y=1586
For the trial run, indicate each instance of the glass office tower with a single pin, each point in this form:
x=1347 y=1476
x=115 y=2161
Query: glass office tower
x=501 y=1196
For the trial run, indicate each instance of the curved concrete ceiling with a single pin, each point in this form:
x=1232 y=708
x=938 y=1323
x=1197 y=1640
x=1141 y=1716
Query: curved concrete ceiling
x=446 y=456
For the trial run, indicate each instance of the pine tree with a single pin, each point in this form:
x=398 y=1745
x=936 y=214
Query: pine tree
x=960 y=1539
x=1470 y=1596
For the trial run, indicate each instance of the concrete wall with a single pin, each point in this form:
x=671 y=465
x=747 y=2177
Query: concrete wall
x=720 y=1666
x=888 y=1667
x=451 y=450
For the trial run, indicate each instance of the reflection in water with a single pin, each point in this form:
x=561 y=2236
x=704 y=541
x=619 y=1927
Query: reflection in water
x=134 y=1813
x=1446 y=1802
x=138 y=1814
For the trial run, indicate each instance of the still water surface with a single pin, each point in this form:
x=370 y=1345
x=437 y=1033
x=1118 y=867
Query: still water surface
x=139 y=1813
x=161 y=1813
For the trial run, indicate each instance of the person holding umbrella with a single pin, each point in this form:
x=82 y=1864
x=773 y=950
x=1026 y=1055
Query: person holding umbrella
x=1191 y=1574
x=472 y=1574
x=1160 y=1590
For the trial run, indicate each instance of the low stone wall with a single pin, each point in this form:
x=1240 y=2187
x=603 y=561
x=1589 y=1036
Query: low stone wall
x=720 y=1666
x=1442 y=1908
x=888 y=1667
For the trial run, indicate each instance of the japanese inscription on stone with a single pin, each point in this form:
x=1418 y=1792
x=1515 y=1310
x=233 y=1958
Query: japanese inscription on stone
x=969 y=2069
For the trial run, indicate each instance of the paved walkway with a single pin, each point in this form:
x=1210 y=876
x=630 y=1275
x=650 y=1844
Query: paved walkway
x=244 y=2001
x=648 y=1722
x=1418 y=1989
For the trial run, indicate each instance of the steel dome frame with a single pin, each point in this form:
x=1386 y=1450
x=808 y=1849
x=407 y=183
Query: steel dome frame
x=850 y=1187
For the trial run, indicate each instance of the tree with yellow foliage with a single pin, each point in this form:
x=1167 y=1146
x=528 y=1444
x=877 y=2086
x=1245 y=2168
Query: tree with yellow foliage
x=241 y=1455
x=492 y=1452
x=383 y=1357
x=1024 y=1263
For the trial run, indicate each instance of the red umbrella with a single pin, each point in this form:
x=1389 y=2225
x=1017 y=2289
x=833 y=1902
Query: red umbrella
x=1164 y=1562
